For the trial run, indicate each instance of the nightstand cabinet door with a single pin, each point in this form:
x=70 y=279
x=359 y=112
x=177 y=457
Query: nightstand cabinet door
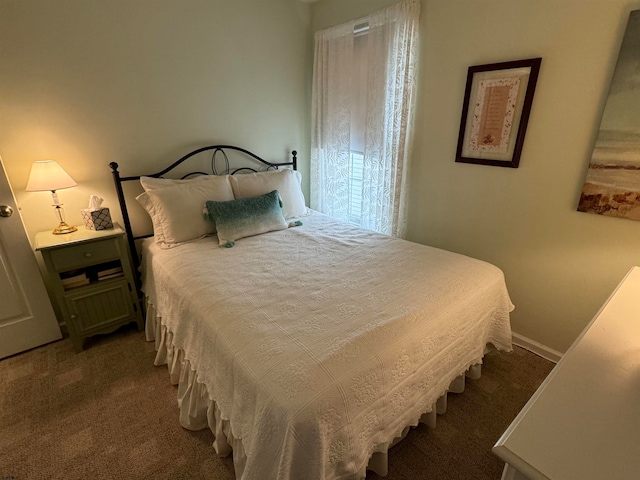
x=93 y=309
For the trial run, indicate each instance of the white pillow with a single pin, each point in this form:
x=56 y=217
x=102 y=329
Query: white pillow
x=176 y=210
x=287 y=182
x=153 y=183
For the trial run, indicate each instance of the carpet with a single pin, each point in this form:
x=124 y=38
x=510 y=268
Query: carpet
x=108 y=413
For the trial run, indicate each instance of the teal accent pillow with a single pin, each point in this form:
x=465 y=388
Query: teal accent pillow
x=245 y=217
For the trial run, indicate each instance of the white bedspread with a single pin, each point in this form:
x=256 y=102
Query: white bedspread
x=320 y=343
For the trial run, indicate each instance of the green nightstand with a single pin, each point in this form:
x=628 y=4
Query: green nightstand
x=92 y=281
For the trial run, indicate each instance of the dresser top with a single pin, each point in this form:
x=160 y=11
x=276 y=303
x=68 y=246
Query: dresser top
x=46 y=240
x=584 y=421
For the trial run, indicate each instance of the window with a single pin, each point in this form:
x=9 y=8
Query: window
x=362 y=112
x=356 y=184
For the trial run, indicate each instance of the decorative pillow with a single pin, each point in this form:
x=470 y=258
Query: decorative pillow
x=246 y=217
x=176 y=210
x=153 y=183
x=286 y=182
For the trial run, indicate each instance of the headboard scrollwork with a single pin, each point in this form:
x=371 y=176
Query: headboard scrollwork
x=218 y=153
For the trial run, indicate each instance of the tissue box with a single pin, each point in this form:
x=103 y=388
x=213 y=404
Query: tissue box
x=97 y=219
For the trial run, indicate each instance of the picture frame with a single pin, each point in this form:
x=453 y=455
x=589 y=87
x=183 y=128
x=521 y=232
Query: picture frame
x=497 y=103
x=612 y=181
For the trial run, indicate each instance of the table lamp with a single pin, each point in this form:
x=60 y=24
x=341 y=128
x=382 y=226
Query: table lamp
x=47 y=175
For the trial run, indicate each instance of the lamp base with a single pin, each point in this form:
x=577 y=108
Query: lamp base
x=64 y=228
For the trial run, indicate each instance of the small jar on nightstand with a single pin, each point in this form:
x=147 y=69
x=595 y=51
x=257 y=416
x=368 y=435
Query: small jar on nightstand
x=92 y=281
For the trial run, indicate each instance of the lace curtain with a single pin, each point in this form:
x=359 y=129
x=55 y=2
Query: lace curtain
x=366 y=184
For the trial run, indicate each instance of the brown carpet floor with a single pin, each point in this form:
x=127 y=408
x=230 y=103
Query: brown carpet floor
x=108 y=413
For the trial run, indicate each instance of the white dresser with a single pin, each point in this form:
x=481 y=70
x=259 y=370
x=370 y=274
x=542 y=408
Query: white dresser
x=584 y=421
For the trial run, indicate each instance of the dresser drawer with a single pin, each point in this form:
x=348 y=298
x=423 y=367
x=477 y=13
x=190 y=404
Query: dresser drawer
x=84 y=254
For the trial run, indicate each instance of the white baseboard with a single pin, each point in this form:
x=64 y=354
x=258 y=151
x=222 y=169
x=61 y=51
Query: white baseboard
x=535 y=347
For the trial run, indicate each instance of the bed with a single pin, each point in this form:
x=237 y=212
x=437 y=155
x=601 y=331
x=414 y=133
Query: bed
x=309 y=349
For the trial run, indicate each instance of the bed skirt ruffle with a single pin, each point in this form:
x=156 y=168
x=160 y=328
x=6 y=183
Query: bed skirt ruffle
x=199 y=411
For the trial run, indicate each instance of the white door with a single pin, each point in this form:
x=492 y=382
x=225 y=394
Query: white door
x=26 y=316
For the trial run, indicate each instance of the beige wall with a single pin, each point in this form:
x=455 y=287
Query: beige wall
x=88 y=82
x=141 y=82
x=560 y=265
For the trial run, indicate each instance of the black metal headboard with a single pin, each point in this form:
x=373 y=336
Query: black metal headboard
x=218 y=152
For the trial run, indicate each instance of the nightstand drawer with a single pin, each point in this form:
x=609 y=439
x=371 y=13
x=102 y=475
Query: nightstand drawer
x=84 y=254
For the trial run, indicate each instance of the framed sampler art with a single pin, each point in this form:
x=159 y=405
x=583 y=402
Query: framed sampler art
x=495 y=113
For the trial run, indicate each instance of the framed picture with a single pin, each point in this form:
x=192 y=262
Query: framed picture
x=612 y=184
x=497 y=103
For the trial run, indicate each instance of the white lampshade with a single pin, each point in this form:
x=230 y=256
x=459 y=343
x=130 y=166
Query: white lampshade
x=48 y=175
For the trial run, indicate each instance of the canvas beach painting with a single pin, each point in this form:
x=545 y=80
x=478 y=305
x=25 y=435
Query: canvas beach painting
x=612 y=183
